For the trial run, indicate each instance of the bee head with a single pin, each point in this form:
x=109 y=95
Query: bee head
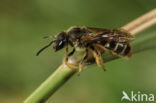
x=58 y=43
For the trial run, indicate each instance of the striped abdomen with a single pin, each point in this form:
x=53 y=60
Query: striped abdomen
x=118 y=48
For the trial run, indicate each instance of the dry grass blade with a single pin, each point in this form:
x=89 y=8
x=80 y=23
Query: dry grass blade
x=141 y=23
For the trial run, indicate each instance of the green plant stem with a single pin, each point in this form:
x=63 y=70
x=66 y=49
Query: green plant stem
x=49 y=86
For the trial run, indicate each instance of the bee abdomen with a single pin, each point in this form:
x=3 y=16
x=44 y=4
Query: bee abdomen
x=127 y=51
x=118 y=48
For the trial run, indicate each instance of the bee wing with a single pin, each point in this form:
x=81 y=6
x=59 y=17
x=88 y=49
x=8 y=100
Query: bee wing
x=125 y=39
x=123 y=35
x=117 y=35
x=97 y=29
x=109 y=35
x=122 y=38
x=94 y=37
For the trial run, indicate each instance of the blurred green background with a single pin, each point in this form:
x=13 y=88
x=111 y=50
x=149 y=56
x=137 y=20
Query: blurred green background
x=24 y=22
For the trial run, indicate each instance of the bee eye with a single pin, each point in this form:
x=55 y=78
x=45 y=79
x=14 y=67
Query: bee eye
x=60 y=41
x=57 y=45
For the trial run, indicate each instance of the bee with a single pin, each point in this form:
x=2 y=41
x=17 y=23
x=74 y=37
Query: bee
x=95 y=42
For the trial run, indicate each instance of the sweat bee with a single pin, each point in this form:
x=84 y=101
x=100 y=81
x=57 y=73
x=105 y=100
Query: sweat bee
x=95 y=42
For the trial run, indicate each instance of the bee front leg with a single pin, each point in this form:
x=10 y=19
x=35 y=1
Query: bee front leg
x=70 y=54
x=66 y=50
x=65 y=59
x=98 y=58
x=81 y=63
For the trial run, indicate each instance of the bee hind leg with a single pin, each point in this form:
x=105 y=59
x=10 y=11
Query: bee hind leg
x=81 y=63
x=98 y=58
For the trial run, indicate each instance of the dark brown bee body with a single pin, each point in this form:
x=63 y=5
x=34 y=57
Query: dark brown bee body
x=95 y=41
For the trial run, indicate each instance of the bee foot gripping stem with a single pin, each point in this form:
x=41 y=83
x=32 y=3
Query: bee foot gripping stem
x=80 y=69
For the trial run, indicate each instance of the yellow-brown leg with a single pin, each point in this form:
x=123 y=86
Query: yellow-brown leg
x=81 y=63
x=98 y=58
x=66 y=50
x=67 y=56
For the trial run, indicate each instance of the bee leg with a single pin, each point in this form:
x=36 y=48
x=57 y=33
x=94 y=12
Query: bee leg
x=67 y=56
x=101 y=61
x=66 y=52
x=81 y=63
x=65 y=59
x=70 y=54
x=98 y=58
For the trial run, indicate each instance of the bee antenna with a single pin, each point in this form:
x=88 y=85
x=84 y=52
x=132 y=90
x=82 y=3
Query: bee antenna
x=44 y=48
